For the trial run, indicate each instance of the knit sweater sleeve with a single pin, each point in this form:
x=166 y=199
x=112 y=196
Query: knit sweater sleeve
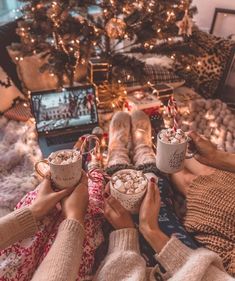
x=16 y=226
x=183 y=263
x=63 y=260
x=123 y=260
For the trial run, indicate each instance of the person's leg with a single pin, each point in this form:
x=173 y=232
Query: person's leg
x=119 y=135
x=182 y=180
x=142 y=139
x=198 y=169
x=192 y=169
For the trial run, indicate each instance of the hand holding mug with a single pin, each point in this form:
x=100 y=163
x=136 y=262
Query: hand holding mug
x=115 y=213
x=148 y=217
x=65 y=167
x=75 y=205
x=47 y=199
x=206 y=151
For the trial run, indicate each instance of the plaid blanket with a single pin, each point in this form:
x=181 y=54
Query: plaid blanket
x=156 y=74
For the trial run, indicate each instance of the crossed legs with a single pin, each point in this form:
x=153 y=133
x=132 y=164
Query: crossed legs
x=192 y=170
x=126 y=130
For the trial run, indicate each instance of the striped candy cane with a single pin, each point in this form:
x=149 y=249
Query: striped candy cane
x=173 y=111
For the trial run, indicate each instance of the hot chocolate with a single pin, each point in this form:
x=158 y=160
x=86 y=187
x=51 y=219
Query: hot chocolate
x=65 y=167
x=64 y=157
x=128 y=187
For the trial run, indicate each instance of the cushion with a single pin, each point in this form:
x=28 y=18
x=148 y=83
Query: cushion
x=7 y=37
x=205 y=76
x=156 y=74
x=28 y=70
x=32 y=78
x=19 y=112
x=8 y=92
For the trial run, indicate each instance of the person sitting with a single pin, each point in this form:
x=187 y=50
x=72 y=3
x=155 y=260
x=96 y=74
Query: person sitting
x=63 y=259
x=124 y=262
x=208 y=183
x=209 y=221
x=62 y=262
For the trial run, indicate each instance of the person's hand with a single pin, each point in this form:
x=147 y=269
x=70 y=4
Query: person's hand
x=75 y=205
x=149 y=210
x=148 y=217
x=47 y=199
x=206 y=151
x=115 y=213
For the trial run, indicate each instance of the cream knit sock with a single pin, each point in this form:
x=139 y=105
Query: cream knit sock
x=142 y=139
x=119 y=134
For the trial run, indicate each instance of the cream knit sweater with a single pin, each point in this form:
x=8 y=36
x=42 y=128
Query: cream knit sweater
x=123 y=261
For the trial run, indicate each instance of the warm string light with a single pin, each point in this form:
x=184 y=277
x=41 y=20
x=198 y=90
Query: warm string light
x=73 y=50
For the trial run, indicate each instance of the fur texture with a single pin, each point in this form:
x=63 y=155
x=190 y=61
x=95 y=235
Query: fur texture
x=19 y=151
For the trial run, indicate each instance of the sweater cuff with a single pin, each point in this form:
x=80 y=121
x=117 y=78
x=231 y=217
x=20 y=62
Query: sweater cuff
x=72 y=225
x=173 y=255
x=124 y=239
x=26 y=221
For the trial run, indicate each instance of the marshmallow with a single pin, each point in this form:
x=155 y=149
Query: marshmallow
x=64 y=157
x=170 y=136
x=130 y=183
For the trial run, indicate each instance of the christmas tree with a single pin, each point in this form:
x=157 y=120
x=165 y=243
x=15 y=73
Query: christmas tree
x=69 y=32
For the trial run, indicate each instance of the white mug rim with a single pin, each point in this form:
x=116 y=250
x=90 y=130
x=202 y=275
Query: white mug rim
x=132 y=193
x=175 y=144
x=67 y=149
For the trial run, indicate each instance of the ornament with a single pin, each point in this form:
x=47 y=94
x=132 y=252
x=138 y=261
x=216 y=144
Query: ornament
x=185 y=25
x=115 y=28
x=111 y=96
x=54 y=11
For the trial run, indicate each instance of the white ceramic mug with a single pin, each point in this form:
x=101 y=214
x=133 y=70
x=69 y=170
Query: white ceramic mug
x=130 y=202
x=62 y=175
x=170 y=157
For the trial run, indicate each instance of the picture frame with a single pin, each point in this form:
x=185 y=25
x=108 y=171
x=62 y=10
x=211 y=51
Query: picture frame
x=223 y=23
x=226 y=88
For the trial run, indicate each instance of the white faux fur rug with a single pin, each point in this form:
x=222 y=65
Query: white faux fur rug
x=19 y=151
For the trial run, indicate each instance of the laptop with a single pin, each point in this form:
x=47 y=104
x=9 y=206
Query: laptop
x=62 y=116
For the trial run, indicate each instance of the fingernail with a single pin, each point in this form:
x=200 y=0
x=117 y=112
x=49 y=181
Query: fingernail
x=106 y=195
x=153 y=180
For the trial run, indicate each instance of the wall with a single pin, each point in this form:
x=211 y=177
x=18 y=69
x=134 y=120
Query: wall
x=206 y=10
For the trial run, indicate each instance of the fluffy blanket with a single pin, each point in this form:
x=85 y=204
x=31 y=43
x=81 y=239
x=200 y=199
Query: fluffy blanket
x=19 y=151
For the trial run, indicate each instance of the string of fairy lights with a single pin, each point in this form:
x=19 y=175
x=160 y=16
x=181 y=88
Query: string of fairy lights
x=106 y=36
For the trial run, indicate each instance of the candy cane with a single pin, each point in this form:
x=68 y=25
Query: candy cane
x=85 y=140
x=173 y=111
x=94 y=151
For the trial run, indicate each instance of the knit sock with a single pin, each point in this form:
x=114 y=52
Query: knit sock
x=142 y=139
x=119 y=134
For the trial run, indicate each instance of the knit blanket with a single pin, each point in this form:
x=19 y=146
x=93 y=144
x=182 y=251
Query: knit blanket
x=19 y=151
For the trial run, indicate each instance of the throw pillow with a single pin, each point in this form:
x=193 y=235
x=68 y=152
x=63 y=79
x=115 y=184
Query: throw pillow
x=32 y=78
x=8 y=36
x=19 y=112
x=8 y=92
x=207 y=70
x=156 y=74
x=28 y=69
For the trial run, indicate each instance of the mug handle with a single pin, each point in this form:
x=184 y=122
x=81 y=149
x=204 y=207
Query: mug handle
x=192 y=153
x=37 y=169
